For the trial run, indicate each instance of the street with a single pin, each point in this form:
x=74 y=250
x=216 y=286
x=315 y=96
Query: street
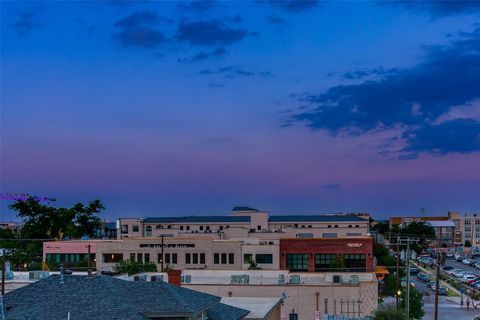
x=448 y=308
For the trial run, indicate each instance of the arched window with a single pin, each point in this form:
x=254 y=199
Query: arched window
x=148 y=231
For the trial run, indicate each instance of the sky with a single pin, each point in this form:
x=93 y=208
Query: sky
x=295 y=107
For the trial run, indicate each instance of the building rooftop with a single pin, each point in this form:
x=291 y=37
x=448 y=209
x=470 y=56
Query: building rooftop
x=201 y=219
x=316 y=218
x=101 y=297
x=244 y=209
x=259 y=308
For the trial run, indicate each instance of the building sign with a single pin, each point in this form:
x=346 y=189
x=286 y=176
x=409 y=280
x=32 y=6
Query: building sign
x=354 y=245
x=167 y=245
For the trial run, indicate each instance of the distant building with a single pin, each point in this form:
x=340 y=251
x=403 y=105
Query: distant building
x=104 y=297
x=449 y=226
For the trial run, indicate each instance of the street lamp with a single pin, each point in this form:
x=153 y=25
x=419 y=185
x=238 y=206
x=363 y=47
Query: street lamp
x=399 y=293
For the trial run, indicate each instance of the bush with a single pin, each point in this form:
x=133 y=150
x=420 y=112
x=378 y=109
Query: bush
x=132 y=267
x=388 y=313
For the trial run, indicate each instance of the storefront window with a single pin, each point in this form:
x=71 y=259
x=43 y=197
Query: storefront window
x=148 y=231
x=354 y=262
x=112 y=257
x=264 y=258
x=325 y=262
x=297 y=262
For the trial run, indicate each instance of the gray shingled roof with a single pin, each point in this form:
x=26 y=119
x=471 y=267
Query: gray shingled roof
x=101 y=297
x=226 y=312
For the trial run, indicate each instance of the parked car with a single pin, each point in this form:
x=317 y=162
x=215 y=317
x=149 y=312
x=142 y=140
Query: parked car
x=451 y=271
x=442 y=290
x=414 y=271
x=460 y=256
x=466 y=261
x=446 y=268
x=423 y=277
x=449 y=255
x=468 y=277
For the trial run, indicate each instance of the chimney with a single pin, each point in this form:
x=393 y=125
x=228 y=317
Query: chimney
x=61 y=274
x=175 y=277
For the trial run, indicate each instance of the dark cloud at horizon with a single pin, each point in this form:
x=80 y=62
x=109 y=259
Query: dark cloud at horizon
x=409 y=98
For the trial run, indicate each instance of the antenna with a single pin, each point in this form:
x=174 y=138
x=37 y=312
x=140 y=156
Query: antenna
x=62 y=280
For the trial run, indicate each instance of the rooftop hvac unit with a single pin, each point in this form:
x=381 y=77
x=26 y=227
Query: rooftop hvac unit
x=294 y=279
x=337 y=278
x=157 y=278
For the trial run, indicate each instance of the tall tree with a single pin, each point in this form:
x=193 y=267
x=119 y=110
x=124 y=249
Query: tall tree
x=416 y=303
x=46 y=222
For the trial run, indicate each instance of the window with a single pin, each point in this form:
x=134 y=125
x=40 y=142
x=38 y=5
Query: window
x=174 y=258
x=208 y=227
x=148 y=231
x=353 y=234
x=132 y=256
x=329 y=235
x=336 y=226
x=296 y=225
x=158 y=226
x=231 y=258
x=169 y=226
x=167 y=258
x=221 y=227
x=181 y=227
x=135 y=228
x=329 y=225
x=303 y=226
x=297 y=262
x=112 y=257
x=188 y=228
x=202 y=258
x=467 y=222
x=147 y=257
x=224 y=258
x=188 y=258
x=247 y=257
x=201 y=228
x=159 y=258
x=259 y=228
x=264 y=258
x=349 y=225
x=325 y=262
x=216 y=259
x=357 y=226
x=139 y=257
x=354 y=262
x=309 y=225
x=195 y=258
x=124 y=228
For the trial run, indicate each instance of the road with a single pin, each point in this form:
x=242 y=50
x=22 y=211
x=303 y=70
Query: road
x=447 y=308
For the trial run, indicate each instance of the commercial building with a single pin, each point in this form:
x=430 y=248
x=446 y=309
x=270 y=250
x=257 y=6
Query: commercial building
x=246 y=222
x=450 y=227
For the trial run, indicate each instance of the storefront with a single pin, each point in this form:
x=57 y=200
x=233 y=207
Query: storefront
x=322 y=255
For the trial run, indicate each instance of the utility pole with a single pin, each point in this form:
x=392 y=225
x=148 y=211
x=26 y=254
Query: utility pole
x=163 y=236
x=437 y=277
x=398 y=270
x=88 y=261
x=3 y=272
x=408 y=279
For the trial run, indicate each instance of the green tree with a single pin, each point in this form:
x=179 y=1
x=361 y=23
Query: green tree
x=46 y=222
x=388 y=313
x=416 y=303
x=133 y=267
x=422 y=230
x=381 y=227
x=468 y=244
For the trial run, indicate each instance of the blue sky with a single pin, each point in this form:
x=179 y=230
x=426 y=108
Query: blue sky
x=168 y=108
